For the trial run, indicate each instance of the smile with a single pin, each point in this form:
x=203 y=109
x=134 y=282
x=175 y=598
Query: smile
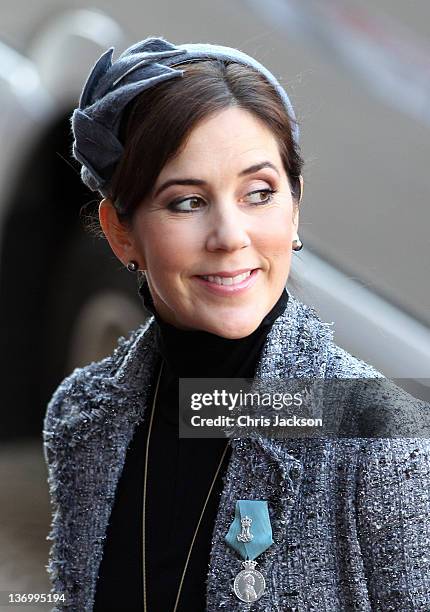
x=223 y=284
x=227 y=280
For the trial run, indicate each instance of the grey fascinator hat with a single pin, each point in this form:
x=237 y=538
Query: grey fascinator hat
x=111 y=85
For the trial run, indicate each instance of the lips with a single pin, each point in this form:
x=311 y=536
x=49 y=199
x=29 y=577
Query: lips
x=233 y=279
x=227 y=285
x=229 y=273
x=228 y=277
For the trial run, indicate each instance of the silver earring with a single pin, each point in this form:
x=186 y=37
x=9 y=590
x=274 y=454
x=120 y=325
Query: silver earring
x=132 y=266
x=297 y=245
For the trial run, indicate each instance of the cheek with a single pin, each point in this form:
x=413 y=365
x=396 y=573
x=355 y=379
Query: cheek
x=274 y=236
x=166 y=247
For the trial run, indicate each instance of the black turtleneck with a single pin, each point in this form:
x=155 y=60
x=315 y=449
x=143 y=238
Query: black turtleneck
x=180 y=472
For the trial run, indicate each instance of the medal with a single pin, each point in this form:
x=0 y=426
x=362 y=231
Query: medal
x=249 y=584
x=250 y=534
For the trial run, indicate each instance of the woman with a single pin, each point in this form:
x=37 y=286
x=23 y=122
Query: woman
x=194 y=149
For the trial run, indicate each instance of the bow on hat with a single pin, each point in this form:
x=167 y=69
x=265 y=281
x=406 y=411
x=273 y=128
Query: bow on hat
x=111 y=85
x=108 y=89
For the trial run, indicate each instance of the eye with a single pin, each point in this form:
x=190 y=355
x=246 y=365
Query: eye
x=184 y=207
x=194 y=203
x=261 y=200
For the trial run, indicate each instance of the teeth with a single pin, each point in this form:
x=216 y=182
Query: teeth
x=227 y=280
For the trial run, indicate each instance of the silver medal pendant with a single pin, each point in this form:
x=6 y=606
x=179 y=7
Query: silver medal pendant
x=249 y=584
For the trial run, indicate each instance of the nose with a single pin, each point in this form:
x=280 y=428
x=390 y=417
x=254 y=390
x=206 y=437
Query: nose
x=227 y=230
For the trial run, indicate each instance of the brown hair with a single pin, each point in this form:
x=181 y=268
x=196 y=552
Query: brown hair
x=156 y=123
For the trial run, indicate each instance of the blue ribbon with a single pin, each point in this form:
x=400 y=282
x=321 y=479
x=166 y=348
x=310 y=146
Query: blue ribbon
x=261 y=528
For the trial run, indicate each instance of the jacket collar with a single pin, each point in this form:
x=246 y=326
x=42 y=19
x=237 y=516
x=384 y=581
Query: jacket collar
x=296 y=346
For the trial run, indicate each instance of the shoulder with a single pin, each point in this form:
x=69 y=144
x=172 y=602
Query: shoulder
x=342 y=364
x=69 y=400
x=318 y=336
x=371 y=405
x=83 y=379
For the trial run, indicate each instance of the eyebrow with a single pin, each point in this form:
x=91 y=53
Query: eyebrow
x=192 y=181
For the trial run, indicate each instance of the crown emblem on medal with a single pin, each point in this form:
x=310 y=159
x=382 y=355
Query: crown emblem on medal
x=245 y=535
x=249 y=565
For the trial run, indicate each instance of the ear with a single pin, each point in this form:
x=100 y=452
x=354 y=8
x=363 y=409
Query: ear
x=297 y=207
x=296 y=220
x=119 y=235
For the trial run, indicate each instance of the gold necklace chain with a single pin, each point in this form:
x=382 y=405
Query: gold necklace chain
x=144 y=505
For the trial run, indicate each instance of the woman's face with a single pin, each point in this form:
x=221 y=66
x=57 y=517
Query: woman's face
x=212 y=214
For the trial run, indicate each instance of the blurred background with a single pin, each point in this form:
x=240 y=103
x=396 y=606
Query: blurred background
x=358 y=74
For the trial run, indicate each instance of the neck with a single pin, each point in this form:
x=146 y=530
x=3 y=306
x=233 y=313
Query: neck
x=197 y=353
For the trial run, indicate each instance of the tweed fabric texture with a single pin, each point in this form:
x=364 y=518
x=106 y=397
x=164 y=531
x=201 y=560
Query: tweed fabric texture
x=110 y=86
x=350 y=517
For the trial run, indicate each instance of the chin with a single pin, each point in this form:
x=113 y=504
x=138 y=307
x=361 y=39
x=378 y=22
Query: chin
x=237 y=334
x=232 y=330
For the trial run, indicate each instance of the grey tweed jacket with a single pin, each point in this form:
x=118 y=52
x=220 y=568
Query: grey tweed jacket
x=350 y=517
